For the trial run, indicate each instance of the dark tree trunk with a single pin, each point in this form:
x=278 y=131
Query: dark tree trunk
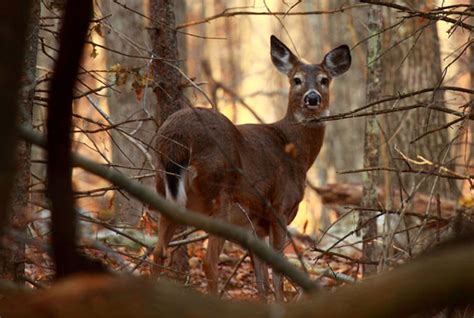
x=20 y=189
x=63 y=215
x=166 y=76
x=16 y=21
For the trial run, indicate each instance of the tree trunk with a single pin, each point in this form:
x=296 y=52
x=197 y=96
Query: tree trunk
x=410 y=65
x=371 y=141
x=20 y=190
x=64 y=226
x=411 y=61
x=165 y=68
x=167 y=79
x=470 y=124
x=12 y=254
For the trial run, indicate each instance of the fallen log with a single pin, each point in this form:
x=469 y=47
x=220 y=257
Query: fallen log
x=350 y=194
x=429 y=283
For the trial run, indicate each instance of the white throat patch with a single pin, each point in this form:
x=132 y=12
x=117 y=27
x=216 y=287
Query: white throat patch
x=325 y=113
x=299 y=117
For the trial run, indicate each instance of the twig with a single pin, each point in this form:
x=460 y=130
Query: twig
x=234 y=271
x=228 y=13
x=183 y=216
x=426 y=15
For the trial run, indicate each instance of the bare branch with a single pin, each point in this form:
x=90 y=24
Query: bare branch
x=183 y=216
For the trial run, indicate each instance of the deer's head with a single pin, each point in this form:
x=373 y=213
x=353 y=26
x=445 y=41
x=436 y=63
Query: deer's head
x=309 y=83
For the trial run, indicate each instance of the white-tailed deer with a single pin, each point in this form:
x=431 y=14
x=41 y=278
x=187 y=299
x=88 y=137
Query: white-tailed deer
x=250 y=175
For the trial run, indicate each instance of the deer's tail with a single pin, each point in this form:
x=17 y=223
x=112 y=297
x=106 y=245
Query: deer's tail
x=174 y=180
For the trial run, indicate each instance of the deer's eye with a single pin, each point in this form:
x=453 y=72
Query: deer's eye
x=297 y=81
x=324 y=81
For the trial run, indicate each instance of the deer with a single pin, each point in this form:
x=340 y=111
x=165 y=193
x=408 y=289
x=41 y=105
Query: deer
x=250 y=175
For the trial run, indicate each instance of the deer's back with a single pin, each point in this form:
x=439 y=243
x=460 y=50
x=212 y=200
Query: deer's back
x=207 y=145
x=198 y=132
x=254 y=164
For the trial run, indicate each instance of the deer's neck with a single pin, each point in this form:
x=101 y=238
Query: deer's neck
x=306 y=139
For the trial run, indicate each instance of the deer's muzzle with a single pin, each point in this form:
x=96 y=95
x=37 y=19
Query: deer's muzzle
x=312 y=99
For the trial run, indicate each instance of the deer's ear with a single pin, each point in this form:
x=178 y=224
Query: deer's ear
x=283 y=59
x=338 y=61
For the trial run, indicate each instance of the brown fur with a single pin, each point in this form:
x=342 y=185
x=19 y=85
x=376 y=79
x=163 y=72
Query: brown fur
x=250 y=175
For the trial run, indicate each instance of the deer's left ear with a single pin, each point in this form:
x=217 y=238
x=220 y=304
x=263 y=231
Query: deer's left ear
x=338 y=61
x=282 y=57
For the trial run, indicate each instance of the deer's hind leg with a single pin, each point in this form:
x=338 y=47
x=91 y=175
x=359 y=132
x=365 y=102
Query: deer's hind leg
x=211 y=262
x=166 y=230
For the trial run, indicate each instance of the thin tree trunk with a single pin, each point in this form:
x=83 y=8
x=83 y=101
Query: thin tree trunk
x=14 y=22
x=180 y=17
x=167 y=78
x=64 y=231
x=471 y=65
x=471 y=123
x=20 y=189
x=371 y=142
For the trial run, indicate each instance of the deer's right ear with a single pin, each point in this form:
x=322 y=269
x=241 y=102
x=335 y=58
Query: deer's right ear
x=283 y=59
x=338 y=61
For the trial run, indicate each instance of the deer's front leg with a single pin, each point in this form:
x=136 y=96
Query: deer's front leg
x=277 y=240
x=261 y=275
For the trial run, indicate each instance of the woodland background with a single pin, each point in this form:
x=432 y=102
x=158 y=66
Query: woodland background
x=394 y=177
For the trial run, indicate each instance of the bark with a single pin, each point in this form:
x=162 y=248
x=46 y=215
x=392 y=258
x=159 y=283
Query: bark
x=470 y=125
x=181 y=17
x=168 y=80
x=20 y=189
x=371 y=141
x=471 y=64
x=63 y=216
x=15 y=25
x=411 y=61
x=166 y=76
x=414 y=64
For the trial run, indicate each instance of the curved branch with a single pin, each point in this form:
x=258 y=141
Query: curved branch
x=427 y=15
x=227 y=13
x=434 y=281
x=183 y=216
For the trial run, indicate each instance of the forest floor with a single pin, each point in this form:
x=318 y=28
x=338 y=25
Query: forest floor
x=236 y=277
x=126 y=250
x=237 y=280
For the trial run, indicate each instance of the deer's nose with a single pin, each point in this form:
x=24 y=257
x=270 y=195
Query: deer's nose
x=312 y=99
